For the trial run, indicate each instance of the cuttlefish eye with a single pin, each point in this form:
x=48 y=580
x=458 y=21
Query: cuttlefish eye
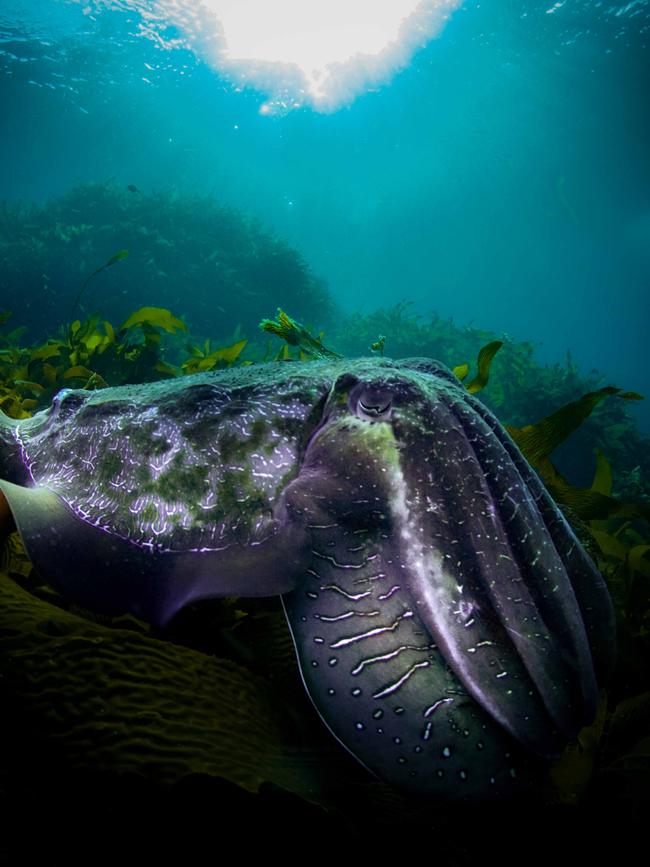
x=373 y=404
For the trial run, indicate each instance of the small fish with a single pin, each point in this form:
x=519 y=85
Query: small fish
x=132 y=188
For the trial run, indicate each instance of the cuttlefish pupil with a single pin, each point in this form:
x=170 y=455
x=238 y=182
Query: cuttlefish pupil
x=374 y=411
x=373 y=403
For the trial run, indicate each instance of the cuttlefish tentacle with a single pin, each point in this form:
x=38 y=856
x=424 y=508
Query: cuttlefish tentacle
x=534 y=596
x=380 y=682
x=490 y=583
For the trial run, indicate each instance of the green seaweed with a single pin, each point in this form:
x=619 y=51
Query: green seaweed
x=117 y=257
x=537 y=442
x=483 y=364
x=231 y=268
x=296 y=335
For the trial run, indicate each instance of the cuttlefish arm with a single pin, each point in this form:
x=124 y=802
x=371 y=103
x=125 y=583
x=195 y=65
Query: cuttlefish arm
x=469 y=552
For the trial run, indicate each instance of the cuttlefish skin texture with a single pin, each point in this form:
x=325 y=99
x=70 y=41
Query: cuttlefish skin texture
x=450 y=629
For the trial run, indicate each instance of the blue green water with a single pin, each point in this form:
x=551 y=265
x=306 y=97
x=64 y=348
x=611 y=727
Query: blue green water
x=500 y=178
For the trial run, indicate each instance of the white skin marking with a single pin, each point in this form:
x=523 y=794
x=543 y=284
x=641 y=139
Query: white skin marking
x=387 y=656
x=346 y=615
x=393 y=687
x=352 y=639
x=390 y=593
x=352 y=596
x=434 y=707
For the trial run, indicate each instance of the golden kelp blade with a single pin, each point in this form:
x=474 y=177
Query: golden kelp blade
x=222 y=357
x=603 y=476
x=538 y=440
x=295 y=334
x=461 y=371
x=483 y=364
x=159 y=317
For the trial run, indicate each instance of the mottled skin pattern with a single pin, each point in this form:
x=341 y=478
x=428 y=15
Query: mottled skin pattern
x=173 y=469
x=449 y=627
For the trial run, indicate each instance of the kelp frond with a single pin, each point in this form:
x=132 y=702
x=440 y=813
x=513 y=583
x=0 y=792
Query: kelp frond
x=537 y=442
x=483 y=364
x=208 y=359
x=91 y=354
x=117 y=257
x=295 y=334
x=158 y=317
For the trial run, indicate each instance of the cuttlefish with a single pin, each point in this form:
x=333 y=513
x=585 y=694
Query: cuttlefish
x=450 y=629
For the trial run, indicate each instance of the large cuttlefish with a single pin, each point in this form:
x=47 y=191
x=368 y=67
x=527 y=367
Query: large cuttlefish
x=450 y=629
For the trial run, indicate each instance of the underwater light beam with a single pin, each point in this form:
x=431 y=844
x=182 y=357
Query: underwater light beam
x=321 y=53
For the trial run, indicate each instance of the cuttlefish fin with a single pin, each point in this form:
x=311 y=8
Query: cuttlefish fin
x=107 y=573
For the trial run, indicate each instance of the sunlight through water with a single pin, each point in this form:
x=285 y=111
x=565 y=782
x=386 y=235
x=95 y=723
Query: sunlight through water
x=319 y=53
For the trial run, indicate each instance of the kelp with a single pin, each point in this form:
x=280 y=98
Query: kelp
x=571 y=774
x=206 y=358
x=537 y=442
x=114 y=259
x=132 y=693
x=157 y=317
x=94 y=354
x=483 y=364
x=620 y=545
x=296 y=335
x=190 y=252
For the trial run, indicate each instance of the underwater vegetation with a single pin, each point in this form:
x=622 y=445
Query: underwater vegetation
x=243 y=644
x=207 y=262
x=93 y=354
x=295 y=334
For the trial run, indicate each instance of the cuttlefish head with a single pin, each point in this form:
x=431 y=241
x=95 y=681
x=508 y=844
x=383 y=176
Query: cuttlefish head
x=450 y=628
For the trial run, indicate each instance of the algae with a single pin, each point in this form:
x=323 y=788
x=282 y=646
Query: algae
x=296 y=335
x=231 y=268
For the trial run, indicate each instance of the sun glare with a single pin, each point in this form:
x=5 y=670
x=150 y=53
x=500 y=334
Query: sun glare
x=321 y=53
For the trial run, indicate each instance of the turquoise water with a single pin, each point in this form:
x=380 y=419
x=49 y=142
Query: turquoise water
x=500 y=176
